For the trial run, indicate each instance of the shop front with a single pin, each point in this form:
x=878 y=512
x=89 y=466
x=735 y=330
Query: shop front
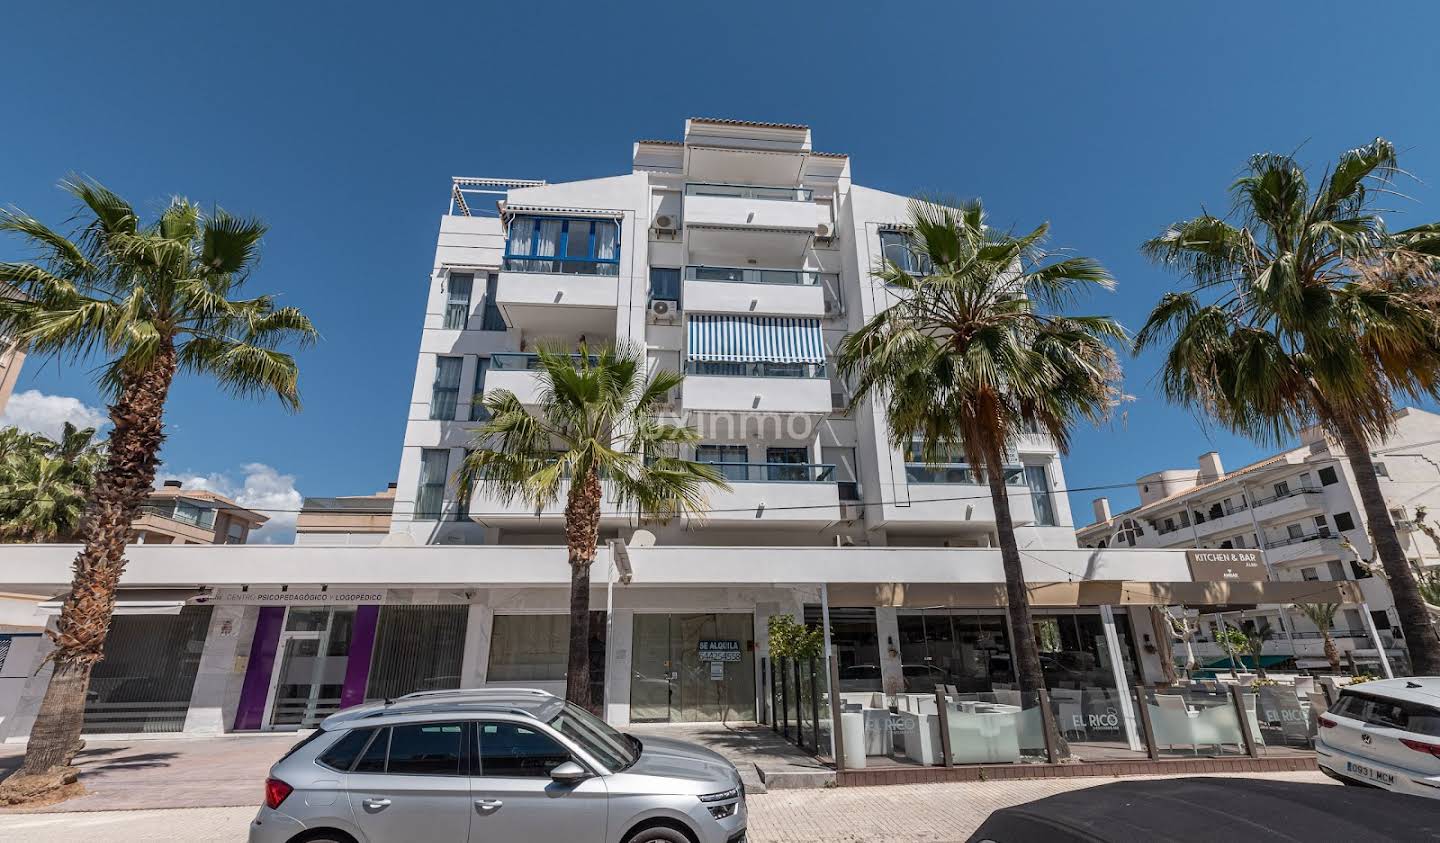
x=693 y=667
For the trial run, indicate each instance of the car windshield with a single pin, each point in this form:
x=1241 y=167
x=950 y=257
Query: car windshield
x=608 y=746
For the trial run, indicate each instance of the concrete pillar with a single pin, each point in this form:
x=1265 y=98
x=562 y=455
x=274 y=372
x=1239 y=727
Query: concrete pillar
x=476 y=656
x=618 y=666
x=887 y=628
x=16 y=727
x=220 y=663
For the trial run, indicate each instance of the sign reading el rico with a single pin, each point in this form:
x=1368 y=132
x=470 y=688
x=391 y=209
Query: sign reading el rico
x=1226 y=565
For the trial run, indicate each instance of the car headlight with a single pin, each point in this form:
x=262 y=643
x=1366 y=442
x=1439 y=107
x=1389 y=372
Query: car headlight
x=722 y=796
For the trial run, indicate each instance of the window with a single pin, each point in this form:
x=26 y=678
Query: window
x=563 y=245
x=344 y=751
x=1295 y=531
x=786 y=464
x=1389 y=713
x=1184 y=518
x=896 y=247
x=1039 y=482
x=1381 y=470
x=457 y=305
x=491 y=320
x=430 y=496
x=417 y=648
x=235 y=533
x=1327 y=476
x=844 y=474
x=1344 y=521
x=1169 y=525
x=731 y=460
x=1320 y=526
x=477 y=398
x=425 y=749
x=445 y=392
x=511 y=750
x=1309 y=574
x=1282 y=489
x=373 y=759
x=664 y=283
x=529 y=648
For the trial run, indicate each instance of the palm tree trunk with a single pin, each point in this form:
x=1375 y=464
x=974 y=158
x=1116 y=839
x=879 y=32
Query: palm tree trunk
x=1332 y=653
x=1420 y=635
x=1024 y=649
x=120 y=488
x=582 y=530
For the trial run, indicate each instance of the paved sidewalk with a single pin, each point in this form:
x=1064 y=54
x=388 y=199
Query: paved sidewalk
x=930 y=813
x=178 y=773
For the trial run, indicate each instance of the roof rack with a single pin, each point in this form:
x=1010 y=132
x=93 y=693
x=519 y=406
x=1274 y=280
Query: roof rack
x=475 y=692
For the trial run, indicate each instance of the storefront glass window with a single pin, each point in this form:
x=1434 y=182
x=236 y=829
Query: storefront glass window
x=536 y=648
x=1073 y=653
x=855 y=645
x=968 y=650
x=693 y=667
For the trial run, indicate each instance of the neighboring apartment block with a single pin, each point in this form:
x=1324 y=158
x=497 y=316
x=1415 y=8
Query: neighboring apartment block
x=1302 y=509
x=176 y=515
x=740 y=256
x=351 y=519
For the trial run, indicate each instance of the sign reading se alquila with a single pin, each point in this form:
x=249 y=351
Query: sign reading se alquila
x=1226 y=565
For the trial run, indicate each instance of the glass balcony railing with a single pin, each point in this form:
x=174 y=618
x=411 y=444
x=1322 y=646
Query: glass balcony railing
x=775 y=472
x=964 y=474
x=744 y=191
x=517 y=362
x=1303 y=490
x=185 y=514
x=756 y=275
x=1300 y=539
x=755 y=369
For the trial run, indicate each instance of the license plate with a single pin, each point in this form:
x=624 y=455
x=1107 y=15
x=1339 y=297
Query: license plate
x=1369 y=773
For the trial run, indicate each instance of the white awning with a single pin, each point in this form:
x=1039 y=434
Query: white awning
x=744 y=339
x=127 y=607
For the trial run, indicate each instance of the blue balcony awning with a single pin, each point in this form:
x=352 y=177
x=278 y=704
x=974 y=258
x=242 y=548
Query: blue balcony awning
x=743 y=339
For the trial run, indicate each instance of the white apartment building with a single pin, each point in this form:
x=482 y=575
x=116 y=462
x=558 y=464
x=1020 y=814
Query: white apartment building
x=740 y=255
x=1302 y=509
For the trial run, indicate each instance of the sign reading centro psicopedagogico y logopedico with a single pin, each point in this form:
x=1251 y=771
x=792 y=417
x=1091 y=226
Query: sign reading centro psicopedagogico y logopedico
x=719 y=650
x=1226 y=565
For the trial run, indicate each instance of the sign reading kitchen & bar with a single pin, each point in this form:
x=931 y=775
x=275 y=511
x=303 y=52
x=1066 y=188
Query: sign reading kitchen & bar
x=1226 y=565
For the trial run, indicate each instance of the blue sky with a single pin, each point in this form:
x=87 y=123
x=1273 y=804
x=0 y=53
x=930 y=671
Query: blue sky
x=341 y=123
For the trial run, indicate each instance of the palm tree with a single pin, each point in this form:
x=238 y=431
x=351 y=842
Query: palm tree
x=1323 y=616
x=1285 y=325
x=595 y=421
x=44 y=486
x=1255 y=637
x=154 y=300
x=974 y=351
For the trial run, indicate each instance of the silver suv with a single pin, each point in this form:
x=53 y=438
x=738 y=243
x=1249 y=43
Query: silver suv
x=495 y=764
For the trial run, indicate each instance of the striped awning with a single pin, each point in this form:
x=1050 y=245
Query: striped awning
x=742 y=339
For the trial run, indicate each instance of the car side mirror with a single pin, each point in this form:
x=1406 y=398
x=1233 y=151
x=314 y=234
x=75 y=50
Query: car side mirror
x=568 y=773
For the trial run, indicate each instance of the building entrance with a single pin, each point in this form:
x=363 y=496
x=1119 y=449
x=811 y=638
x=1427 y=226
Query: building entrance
x=692 y=668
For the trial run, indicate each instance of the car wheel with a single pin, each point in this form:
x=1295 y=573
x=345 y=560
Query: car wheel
x=658 y=834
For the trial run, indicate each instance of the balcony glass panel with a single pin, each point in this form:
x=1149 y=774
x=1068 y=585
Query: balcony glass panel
x=751 y=275
x=755 y=369
x=513 y=362
x=741 y=191
x=959 y=473
x=773 y=472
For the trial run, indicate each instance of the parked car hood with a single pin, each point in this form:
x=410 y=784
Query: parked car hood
x=692 y=768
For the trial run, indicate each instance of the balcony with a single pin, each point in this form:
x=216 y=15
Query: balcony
x=792 y=292
x=556 y=303
x=486 y=508
x=1306 y=547
x=774 y=222
x=519 y=374
x=758 y=389
x=1289 y=504
x=775 y=493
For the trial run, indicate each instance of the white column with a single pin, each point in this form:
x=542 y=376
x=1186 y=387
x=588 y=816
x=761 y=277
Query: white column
x=887 y=628
x=1375 y=636
x=475 y=660
x=1122 y=684
x=825 y=631
x=619 y=665
x=218 y=666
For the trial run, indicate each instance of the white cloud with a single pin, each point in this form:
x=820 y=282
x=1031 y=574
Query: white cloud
x=37 y=412
x=259 y=487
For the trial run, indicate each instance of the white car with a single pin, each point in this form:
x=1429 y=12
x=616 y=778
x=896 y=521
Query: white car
x=1384 y=734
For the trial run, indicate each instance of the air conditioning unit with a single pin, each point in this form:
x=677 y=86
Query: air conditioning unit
x=825 y=231
x=664 y=309
x=667 y=223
